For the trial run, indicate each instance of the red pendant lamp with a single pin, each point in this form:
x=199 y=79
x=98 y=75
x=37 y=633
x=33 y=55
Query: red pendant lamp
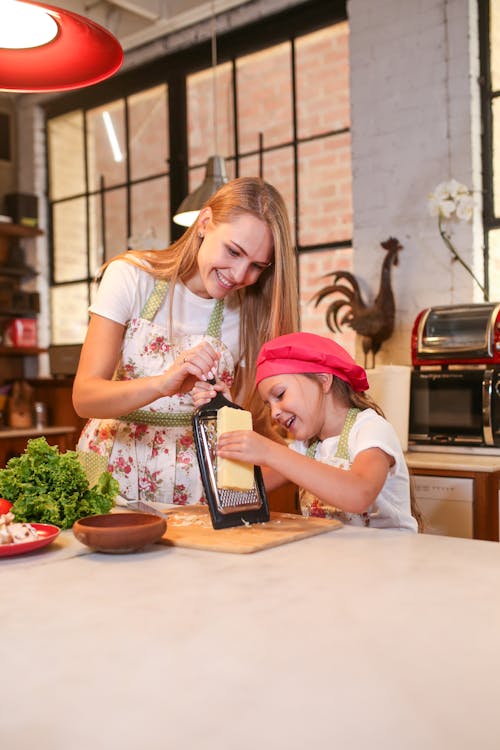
x=70 y=51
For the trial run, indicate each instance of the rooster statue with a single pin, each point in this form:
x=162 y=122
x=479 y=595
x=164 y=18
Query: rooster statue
x=374 y=323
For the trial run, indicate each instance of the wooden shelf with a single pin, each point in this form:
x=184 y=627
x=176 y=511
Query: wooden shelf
x=18 y=230
x=16 y=361
x=20 y=351
x=20 y=271
x=6 y=312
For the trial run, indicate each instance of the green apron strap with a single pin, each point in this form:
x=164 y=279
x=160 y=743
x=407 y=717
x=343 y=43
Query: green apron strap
x=159 y=419
x=342 y=448
x=311 y=449
x=154 y=300
x=215 y=322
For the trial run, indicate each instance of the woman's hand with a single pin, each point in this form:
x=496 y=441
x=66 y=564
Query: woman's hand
x=203 y=392
x=97 y=394
x=191 y=366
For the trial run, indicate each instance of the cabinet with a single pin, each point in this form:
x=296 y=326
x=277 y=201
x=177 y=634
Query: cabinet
x=56 y=393
x=458 y=493
x=14 y=301
x=14 y=442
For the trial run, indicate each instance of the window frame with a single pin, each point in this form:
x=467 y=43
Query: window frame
x=173 y=70
x=490 y=221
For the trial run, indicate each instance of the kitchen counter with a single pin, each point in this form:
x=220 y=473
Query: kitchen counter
x=451 y=461
x=353 y=639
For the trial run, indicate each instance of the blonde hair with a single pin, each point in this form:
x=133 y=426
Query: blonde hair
x=268 y=308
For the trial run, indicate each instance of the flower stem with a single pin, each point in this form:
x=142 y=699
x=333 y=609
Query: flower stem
x=447 y=241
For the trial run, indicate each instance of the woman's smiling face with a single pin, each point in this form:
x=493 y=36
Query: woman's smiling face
x=231 y=256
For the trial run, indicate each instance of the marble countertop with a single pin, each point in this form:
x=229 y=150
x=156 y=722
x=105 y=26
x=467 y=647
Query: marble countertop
x=353 y=639
x=453 y=461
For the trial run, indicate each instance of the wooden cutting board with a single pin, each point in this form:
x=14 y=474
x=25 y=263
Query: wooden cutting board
x=191 y=526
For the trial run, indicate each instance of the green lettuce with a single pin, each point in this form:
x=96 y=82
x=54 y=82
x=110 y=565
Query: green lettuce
x=51 y=487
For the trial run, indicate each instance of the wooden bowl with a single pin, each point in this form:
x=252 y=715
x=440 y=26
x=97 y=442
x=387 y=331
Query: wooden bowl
x=119 y=532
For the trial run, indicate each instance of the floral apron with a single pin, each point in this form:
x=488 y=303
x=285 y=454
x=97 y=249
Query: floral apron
x=151 y=451
x=311 y=505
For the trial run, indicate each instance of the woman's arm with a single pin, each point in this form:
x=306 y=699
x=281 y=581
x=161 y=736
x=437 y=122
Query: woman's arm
x=353 y=491
x=95 y=394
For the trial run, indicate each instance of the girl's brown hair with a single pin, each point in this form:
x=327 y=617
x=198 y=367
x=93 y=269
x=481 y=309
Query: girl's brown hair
x=268 y=308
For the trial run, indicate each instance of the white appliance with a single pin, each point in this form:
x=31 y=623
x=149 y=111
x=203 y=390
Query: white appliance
x=447 y=505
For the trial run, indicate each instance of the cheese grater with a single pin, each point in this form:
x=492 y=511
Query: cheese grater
x=227 y=507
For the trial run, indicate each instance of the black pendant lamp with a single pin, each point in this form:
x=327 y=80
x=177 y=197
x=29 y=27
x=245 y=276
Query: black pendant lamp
x=215 y=170
x=215 y=177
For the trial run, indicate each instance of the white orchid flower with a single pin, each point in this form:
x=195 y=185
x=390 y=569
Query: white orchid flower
x=453 y=200
x=447 y=208
x=457 y=189
x=433 y=204
x=465 y=207
x=442 y=191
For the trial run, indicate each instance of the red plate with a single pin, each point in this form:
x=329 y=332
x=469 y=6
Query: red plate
x=46 y=535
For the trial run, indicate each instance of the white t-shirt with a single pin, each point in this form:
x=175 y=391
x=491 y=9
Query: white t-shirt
x=125 y=288
x=392 y=506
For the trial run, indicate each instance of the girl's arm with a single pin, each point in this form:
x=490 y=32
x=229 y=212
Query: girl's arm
x=95 y=394
x=353 y=491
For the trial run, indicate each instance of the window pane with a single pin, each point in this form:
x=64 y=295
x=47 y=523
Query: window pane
x=278 y=170
x=70 y=240
x=325 y=190
x=66 y=155
x=206 y=136
x=150 y=215
x=96 y=239
x=495 y=44
x=264 y=98
x=249 y=166
x=496 y=156
x=106 y=151
x=312 y=267
x=69 y=305
x=148 y=124
x=115 y=222
x=322 y=64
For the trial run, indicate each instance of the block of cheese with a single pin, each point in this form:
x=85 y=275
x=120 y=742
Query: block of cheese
x=231 y=474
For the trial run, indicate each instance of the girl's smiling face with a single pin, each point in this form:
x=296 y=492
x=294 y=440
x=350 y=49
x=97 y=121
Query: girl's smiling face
x=231 y=256
x=297 y=403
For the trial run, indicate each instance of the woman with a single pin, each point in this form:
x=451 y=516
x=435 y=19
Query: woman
x=163 y=320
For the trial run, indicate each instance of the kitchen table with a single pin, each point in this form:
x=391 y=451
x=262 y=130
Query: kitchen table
x=353 y=639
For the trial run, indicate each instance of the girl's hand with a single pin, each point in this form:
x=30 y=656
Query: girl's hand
x=203 y=392
x=192 y=365
x=245 y=445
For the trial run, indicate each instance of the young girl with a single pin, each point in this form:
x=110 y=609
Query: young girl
x=345 y=456
x=163 y=320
